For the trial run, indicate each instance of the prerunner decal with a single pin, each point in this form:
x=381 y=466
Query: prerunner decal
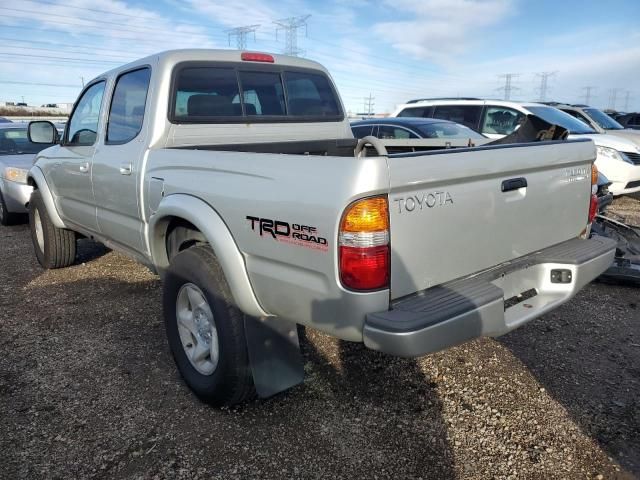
x=285 y=232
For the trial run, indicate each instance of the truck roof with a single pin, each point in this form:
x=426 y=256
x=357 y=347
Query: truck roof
x=169 y=58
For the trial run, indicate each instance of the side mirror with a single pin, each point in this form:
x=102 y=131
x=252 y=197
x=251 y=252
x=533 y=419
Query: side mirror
x=43 y=132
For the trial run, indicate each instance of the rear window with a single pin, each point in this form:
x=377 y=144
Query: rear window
x=239 y=93
x=310 y=95
x=206 y=92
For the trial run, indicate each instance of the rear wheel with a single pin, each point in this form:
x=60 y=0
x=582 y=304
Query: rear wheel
x=6 y=217
x=55 y=247
x=205 y=329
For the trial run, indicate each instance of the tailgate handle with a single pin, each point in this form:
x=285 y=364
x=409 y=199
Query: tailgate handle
x=514 y=184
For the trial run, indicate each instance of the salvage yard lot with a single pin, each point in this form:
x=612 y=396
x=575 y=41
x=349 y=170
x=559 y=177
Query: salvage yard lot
x=88 y=389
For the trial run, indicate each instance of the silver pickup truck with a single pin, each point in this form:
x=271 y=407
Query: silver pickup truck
x=235 y=176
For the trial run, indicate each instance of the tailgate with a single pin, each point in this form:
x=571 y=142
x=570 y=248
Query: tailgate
x=450 y=217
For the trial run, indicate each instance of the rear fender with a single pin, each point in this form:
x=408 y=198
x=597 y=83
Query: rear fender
x=204 y=217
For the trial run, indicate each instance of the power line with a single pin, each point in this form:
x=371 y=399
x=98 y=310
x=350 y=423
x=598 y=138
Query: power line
x=68 y=59
x=62 y=85
x=587 y=94
x=544 y=84
x=290 y=26
x=241 y=33
x=508 y=84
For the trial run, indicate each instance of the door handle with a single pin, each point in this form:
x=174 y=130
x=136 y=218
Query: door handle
x=84 y=167
x=514 y=184
x=125 y=169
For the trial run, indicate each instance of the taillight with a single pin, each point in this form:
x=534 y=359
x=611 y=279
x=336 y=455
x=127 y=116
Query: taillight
x=593 y=203
x=593 y=208
x=594 y=178
x=257 y=57
x=364 y=245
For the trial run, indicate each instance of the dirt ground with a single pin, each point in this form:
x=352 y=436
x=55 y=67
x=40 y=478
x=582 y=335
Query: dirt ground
x=88 y=389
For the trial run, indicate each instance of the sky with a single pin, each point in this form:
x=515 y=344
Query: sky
x=391 y=50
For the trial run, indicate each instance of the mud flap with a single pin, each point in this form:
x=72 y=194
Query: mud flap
x=274 y=353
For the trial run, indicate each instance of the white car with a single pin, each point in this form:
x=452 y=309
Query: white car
x=618 y=158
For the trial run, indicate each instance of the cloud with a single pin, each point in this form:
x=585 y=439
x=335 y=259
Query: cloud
x=441 y=28
x=232 y=14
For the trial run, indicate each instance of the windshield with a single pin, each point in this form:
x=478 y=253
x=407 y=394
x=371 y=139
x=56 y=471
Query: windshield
x=14 y=141
x=558 y=117
x=602 y=119
x=446 y=130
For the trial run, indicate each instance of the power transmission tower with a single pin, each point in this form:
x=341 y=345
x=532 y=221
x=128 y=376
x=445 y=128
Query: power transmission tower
x=241 y=34
x=627 y=99
x=290 y=26
x=544 y=84
x=613 y=96
x=587 y=94
x=368 y=105
x=508 y=84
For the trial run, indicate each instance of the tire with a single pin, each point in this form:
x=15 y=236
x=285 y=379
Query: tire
x=54 y=247
x=6 y=218
x=224 y=379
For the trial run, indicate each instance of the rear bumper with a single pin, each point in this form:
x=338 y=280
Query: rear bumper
x=459 y=311
x=16 y=196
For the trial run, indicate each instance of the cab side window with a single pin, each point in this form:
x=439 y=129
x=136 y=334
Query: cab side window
x=83 y=124
x=501 y=120
x=127 y=106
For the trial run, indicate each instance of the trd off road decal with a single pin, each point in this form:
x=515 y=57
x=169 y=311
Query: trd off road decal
x=294 y=233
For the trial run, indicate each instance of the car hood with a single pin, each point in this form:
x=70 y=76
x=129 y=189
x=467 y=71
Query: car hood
x=622 y=144
x=18 y=161
x=627 y=134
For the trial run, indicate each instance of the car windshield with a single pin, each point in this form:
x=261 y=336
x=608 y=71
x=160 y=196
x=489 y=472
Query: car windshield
x=602 y=119
x=14 y=141
x=558 y=117
x=446 y=130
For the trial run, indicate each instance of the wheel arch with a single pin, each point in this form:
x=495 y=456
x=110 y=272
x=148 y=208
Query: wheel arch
x=37 y=180
x=192 y=212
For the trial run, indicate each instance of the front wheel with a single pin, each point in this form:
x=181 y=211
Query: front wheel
x=55 y=247
x=205 y=329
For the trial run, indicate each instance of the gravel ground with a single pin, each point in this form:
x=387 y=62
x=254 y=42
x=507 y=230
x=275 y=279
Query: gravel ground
x=88 y=389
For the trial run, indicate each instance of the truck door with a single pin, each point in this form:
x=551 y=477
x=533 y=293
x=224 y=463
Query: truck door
x=70 y=171
x=117 y=165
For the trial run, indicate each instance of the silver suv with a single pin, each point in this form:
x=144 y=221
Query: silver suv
x=599 y=121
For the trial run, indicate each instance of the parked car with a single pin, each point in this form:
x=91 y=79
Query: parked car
x=5 y=120
x=599 y=121
x=630 y=120
x=406 y=128
x=617 y=158
x=16 y=158
x=259 y=212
